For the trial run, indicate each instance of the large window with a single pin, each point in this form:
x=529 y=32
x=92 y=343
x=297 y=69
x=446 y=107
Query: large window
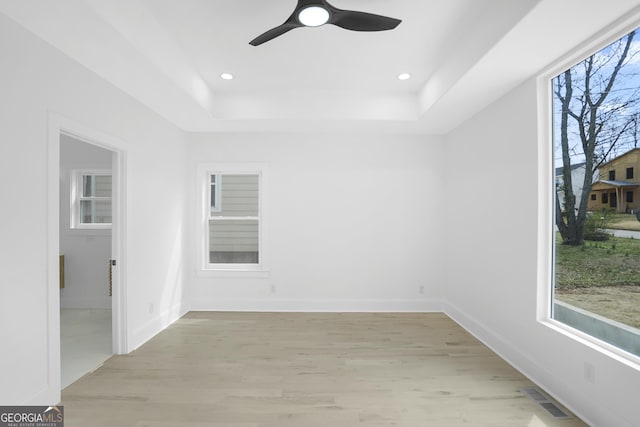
x=596 y=107
x=232 y=234
x=91 y=199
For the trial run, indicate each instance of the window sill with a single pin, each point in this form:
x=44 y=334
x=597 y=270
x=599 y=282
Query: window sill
x=235 y=273
x=104 y=231
x=593 y=343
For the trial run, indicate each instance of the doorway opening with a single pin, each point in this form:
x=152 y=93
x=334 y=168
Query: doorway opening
x=86 y=277
x=70 y=142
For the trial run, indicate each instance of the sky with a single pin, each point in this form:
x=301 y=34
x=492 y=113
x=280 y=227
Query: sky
x=626 y=87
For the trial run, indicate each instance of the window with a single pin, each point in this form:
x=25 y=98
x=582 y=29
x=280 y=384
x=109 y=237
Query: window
x=593 y=197
x=596 y=280
x=233 y=228
x=91 y=199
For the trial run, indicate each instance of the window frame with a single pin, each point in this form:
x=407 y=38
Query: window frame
x=205 y=171
x=76 y=197
x=629 y=173
x=546 y=192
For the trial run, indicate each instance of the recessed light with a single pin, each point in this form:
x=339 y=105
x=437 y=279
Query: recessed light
x=404 y=76
x=226 y=76
x=313 y=16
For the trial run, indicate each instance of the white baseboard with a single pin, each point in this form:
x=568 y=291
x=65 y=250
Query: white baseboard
x=48 y=394
x=327 y=305
x=154 y=326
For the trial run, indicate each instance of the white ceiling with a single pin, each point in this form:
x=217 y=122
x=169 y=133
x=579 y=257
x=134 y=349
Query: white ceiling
x=168 y=54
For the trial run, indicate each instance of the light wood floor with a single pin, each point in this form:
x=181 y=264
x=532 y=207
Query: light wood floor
x=286 y=369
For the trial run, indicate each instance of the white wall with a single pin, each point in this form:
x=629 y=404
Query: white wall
x=353 y=222
x=36 y=80
x=492 y=262
x=86 y=251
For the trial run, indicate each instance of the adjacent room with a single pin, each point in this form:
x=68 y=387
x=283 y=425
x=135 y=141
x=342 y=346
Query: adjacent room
x=85 y=252
x=302 y=213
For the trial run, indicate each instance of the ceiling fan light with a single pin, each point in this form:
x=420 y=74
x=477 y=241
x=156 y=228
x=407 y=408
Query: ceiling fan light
x=313 y=16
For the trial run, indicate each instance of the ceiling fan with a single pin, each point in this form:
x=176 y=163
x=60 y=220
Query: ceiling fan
x=313 y=13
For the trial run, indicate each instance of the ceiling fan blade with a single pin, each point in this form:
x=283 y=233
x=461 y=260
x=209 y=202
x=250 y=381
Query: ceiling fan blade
x=362 y=21
x=347 y=19
x=274 y=32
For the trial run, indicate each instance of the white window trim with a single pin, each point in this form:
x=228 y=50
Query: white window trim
x=218 y=185
x=74 y=209
x=204 y=177
x=546 y=197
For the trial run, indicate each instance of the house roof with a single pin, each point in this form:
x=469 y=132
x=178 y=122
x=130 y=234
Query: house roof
x=618 y=183
x=560 y=170
x=618 y=157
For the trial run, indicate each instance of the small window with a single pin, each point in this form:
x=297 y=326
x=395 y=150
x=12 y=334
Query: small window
x=629 y=173
x=629 y=196
x=605 y=198
x=612 y=175
x=593 y=197
x=91 y=199
x=232 y=232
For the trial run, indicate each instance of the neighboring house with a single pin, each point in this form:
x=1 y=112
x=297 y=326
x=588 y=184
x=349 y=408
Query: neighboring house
x=577 y=178
x=620 y=190
x=234 y=219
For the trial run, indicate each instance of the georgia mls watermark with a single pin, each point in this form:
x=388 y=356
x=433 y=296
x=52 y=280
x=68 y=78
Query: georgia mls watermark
x=31 y=416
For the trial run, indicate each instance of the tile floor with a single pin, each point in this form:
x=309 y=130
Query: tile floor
x=85 y=341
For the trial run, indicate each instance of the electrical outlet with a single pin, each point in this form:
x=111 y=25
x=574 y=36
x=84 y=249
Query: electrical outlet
x=273 y=289
x=589 y=372
x=151 y=308
x=421 y=290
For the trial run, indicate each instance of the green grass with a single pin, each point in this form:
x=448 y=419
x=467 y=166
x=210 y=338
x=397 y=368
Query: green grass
x=610 y=263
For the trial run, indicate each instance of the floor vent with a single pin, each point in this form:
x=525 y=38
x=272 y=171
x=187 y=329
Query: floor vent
x=546 y=402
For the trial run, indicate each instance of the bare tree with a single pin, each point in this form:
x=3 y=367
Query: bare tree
x=592 y=118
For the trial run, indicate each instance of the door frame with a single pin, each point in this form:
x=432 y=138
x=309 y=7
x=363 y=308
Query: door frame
x=59 y=125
